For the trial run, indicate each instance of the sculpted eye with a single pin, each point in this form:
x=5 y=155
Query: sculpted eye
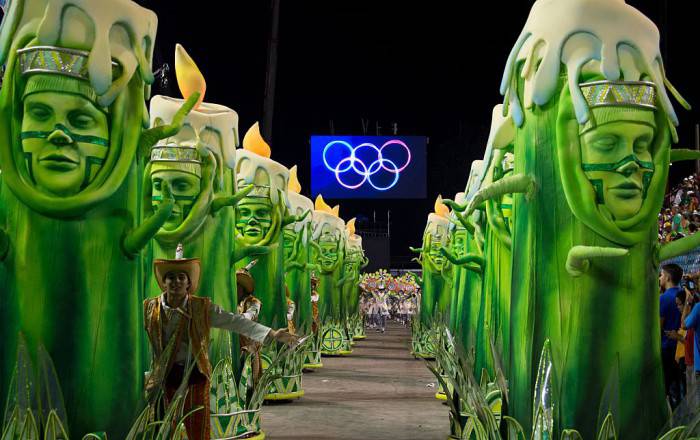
x=81 y=120
x=39 y=112
x=642 y=144
x=182 y=185
x=605 y=142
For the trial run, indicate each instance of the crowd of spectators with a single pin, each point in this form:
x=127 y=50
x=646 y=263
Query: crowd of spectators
x=680 y=322
x=680 y=216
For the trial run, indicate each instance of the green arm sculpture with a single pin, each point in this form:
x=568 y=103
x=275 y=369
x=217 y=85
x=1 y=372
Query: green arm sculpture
x=578 y=261
x=472 y=262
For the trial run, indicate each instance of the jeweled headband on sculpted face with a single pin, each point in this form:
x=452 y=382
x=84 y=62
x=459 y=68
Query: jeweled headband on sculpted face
x=59 y=61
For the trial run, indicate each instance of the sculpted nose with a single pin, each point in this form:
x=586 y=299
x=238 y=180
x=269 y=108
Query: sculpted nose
x=628 y=169
x=60 y=138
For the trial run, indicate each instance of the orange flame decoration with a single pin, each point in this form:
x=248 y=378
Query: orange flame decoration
x=254 y=142
x=321 y=205
x=294 y=185
x=336 y=210
x=350 y=226
x=440 y=208
x=189 y=77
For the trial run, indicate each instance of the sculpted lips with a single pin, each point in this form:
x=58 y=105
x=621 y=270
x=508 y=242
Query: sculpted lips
x=627 y=190
x=59 y=161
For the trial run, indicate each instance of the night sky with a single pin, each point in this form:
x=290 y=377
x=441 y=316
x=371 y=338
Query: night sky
x=432 y=67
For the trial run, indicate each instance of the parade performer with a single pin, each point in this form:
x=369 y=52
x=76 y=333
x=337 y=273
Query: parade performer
x=249 y=306
x=291 y=308
x=178 y=325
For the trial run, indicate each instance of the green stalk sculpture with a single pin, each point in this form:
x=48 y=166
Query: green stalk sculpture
x=197 y=165
x=592 y=149
x=493 y=328
x=70 y=203
x=329 y=245
x=436 y=279
x=467 y=257
x=261 y=217
x=355 y=261
x=297 y=254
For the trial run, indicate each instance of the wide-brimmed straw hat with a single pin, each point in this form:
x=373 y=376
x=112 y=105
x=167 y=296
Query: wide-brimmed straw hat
x=245 y=281
x=191 y=266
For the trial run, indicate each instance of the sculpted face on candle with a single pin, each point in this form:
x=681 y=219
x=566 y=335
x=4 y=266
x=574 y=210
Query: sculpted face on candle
x=65 y=138
x=185 y=188
x=254 y=218
x=619 y=159
x=435 y=242
x=329 y=251
x=459 y=243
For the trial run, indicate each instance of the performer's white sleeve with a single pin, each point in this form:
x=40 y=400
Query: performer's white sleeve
x=233 y=322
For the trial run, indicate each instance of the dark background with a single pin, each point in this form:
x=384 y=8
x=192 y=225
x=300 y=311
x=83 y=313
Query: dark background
x=433 y=68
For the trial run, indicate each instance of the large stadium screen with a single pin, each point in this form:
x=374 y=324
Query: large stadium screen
x=368 y=167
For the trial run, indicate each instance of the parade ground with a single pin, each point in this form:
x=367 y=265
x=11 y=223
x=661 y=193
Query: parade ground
x=380 y=384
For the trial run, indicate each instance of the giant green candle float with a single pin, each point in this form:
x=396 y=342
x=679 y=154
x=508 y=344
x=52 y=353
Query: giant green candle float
x=592 y=149
x=197 y=166
x=73 y=138
x=436 y=279
x=297 y=264
x=329 y=245
x=260 y=218
x=492 y=328
x=297 y=253
x=355 y=261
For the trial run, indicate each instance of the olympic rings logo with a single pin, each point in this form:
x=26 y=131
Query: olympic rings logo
x=351 y=163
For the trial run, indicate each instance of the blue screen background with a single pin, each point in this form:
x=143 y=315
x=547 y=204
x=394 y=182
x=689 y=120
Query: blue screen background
x=409 y=183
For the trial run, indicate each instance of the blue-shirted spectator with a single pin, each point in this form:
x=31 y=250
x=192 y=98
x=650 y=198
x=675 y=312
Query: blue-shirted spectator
x=669 y=279
x=691 y=320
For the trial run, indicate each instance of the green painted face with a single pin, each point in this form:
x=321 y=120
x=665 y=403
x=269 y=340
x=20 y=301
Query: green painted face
x=617 y=160
x=254 y=218
x=329 y=253
x=185 y=188
x=65 y=139
x=459 y=243
x=434 y=253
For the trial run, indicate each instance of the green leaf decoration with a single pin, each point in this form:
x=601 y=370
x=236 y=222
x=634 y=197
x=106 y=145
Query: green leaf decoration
x=28 y=429
x=50 y=395
x=607 y=431
x=9 y=431
x=543 y=402
x=54 y=429
x=513 y=429
x=677 y=433
x=141 y=424
x=571 y=434
x=25 y=391
x=610 y=400
x=95 y=436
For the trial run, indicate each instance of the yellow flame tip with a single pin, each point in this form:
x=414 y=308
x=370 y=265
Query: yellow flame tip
x=189 y=77
x=254 y=142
